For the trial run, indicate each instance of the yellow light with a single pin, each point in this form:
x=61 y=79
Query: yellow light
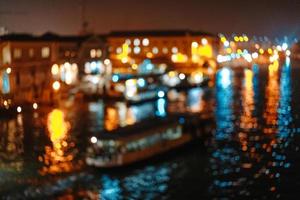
x=223 y=39
x=236 y=38
x=241 y=39
x=229 y=50
x=270 y=51
x=261 y=51
x=194 y=48
x=179 y=58
x=239 y=51
x=172 y=74
x=55 y=69
x=205 y=51
x=248 y=78
x=134 y=66
x=195 y=58
x=5 y=103
x=57 y=126
x=246 y=39
x=56 y=85
x=273 y=68
x=123 y=56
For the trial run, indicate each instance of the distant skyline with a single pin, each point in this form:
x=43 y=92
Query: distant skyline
x=264 y=17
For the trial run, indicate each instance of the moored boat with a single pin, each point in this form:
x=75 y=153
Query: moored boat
x=138 y=142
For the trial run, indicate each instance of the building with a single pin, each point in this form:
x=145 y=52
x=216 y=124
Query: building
x=34 y=68
x=29 y=65
x=184 y=50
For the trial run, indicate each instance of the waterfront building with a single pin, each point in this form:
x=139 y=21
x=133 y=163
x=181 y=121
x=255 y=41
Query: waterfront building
x=183 y=50
x=33 y=67
x=24 y=66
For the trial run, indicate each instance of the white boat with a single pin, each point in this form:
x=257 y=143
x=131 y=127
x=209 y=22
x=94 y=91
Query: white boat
x=135 y=143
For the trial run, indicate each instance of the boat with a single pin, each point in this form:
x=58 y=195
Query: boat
x=139 y=142
x=135 y=88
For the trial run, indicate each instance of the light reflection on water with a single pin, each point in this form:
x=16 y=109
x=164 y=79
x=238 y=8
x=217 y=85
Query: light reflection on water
x=249 y=154
x=11 y=145
x=59 y=155
x=252 y=154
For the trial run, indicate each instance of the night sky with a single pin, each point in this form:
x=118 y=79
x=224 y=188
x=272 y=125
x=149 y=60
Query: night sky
x=256 y=17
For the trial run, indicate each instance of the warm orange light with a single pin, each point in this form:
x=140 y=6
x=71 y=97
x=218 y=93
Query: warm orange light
x=57 y=126
x=248 y=79
x=56 y=85
x=179 y=58
x=55 y=69
x=57 y=157
x=149 y=55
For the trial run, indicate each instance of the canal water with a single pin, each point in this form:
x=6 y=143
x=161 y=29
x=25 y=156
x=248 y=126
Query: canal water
x=253 y=152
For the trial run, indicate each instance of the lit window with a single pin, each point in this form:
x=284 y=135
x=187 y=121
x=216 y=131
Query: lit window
x=93 y=53
x=31 y=52
x=145 y=41
x=174 y=50
x=127 y=41
x=99 y=53
x=194 y=44
x=137 y=50
x=136 y=42
x=119 y=50
x=165 y=50
x=17 y=53
x=204 y=41
x=45 y=52
x=6 y=55
x=55 y=69
x=155 y=50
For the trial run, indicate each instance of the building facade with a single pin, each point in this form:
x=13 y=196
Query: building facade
x=183 y=50
x=29 y=65
x=34 y=68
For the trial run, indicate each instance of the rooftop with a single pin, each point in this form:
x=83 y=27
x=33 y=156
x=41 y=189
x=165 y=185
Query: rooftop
x=49 y=36
x=159 y=33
